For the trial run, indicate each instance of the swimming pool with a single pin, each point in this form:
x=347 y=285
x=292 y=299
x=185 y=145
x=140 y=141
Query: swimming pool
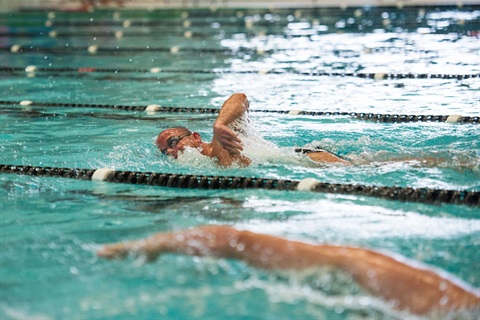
x=283 y=60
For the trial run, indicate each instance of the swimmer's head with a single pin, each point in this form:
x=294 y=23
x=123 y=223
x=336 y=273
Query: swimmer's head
x=174 y=140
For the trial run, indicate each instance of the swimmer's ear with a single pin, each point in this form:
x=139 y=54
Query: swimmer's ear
x=197 y=136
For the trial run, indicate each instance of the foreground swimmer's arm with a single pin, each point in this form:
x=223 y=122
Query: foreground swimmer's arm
x=418 y=290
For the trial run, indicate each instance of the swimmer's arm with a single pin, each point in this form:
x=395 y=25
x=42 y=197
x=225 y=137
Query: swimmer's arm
x=418 y=290
x=260 y=250
x=233 y=108
x=325 y=157
x=321 y=156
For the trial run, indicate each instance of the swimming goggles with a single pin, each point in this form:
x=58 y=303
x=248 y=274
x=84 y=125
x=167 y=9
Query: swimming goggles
x=173 y=141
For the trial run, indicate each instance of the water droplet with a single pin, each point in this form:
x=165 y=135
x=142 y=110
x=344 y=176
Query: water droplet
x=74 y=270
x=442 y=286
x=371 y=273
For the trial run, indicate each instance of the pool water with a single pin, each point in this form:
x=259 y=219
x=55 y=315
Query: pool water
x=52 y=227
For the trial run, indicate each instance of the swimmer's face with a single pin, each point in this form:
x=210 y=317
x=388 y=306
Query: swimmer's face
x=174 y=140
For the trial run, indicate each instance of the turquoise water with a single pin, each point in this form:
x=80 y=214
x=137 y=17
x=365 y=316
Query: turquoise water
x=51 y=228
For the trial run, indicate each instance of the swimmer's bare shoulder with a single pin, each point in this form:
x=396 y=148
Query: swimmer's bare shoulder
x=322 y=156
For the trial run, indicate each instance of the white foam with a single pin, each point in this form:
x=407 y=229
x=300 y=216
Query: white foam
x=15 y=313
x=192 y=157
x=295 y=289
x=259 y=150
x=348 y=221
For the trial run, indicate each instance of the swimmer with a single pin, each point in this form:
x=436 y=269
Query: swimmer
x=418 y=290
x=225 y=147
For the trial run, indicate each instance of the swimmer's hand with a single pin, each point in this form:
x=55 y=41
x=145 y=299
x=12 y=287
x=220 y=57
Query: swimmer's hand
x=227 y=138
x=142 y=248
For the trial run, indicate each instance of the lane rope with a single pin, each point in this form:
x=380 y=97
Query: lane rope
x=234 y=14
x=184 y=181
x=95 y=49
x=187 y=28
x=377 y=75
x=369 y=19
x=155 y=108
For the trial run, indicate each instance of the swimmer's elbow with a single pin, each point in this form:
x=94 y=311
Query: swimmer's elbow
x=240 y=95
x=242 y=99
